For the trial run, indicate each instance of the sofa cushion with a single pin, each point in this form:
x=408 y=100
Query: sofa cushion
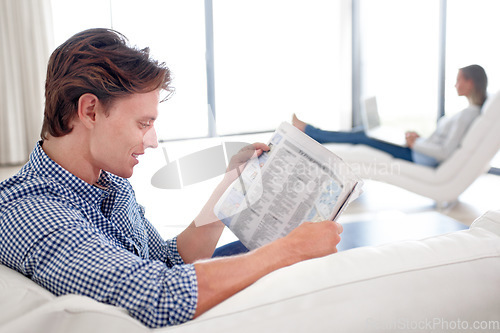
x=18 y=289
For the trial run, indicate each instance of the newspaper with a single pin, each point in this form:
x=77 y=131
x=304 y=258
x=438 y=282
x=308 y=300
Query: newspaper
x=297 y=180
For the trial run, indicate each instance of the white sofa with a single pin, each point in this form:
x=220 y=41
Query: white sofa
x=445 y=183
x=439 y=283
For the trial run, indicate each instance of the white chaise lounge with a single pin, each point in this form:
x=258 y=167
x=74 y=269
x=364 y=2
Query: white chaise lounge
x=445 y=183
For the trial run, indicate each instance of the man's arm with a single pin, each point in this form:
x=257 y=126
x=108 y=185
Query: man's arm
x=219 y=279
x=59 y=249
x=196 y=243
x=199 y=240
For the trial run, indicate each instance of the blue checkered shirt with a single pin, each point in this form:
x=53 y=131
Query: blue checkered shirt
x=75 y=238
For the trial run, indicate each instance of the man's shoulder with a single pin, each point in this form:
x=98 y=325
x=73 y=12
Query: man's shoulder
x=35 y=196
x=12 y=187
x=28 y=188
x=36 y=208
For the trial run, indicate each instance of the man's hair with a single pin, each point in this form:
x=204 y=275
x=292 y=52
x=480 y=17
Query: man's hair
x=100 y=62
x=477 y=74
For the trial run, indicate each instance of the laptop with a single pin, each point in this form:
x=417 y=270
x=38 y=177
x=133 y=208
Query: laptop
x=373 y=129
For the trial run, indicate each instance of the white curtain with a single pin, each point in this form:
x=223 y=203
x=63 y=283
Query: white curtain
x=25 y=46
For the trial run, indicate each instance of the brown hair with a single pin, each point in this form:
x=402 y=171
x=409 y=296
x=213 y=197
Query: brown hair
x=100 y=62
x=477 y=74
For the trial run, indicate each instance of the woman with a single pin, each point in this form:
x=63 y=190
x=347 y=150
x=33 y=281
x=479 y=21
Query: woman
x=471 y=83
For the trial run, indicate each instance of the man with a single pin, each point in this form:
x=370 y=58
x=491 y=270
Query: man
x=69 y=219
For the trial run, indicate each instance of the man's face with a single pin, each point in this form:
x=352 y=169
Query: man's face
x=125 y=133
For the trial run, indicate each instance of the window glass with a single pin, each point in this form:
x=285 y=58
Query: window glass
x=70 y=17
x=399 y=61
x=175 y=33
x=471 y=26
x=471 y=29
x=275 y=58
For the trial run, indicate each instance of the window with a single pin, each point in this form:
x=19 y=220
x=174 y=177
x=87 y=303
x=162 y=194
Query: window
x=70 y=17
x=471 y=26
x=174 y=31
x=399 y=61
x=272 y=58
x=471 y=30
x=275 y=58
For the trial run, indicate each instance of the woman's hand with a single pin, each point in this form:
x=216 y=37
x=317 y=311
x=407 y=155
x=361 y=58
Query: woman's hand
x=411 y=137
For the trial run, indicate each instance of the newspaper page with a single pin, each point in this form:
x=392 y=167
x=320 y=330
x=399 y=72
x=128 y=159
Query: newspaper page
x=297 y=180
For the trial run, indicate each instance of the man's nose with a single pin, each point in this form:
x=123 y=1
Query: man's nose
x=150 y=140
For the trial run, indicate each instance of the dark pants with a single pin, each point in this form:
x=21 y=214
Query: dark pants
x=358 y=137
x=230 y=249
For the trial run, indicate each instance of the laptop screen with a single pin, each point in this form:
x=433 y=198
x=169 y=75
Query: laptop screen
x=369 y=113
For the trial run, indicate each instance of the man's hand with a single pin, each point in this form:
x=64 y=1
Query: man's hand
x=316 y=239
x=311 y=240
x=411 y=137
x=239 y=160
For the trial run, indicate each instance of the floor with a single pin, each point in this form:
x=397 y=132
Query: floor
x=172 y=210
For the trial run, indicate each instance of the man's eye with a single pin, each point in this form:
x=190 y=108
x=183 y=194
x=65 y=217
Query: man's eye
x=144 y=125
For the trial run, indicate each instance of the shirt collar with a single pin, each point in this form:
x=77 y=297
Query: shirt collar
x=42 y=164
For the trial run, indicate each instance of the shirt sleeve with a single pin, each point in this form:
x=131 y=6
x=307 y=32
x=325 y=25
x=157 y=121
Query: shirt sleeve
x=444 y=141
x=160 y=249
x=63 y=252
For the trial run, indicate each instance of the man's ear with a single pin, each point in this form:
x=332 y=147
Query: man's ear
x=87 y=108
